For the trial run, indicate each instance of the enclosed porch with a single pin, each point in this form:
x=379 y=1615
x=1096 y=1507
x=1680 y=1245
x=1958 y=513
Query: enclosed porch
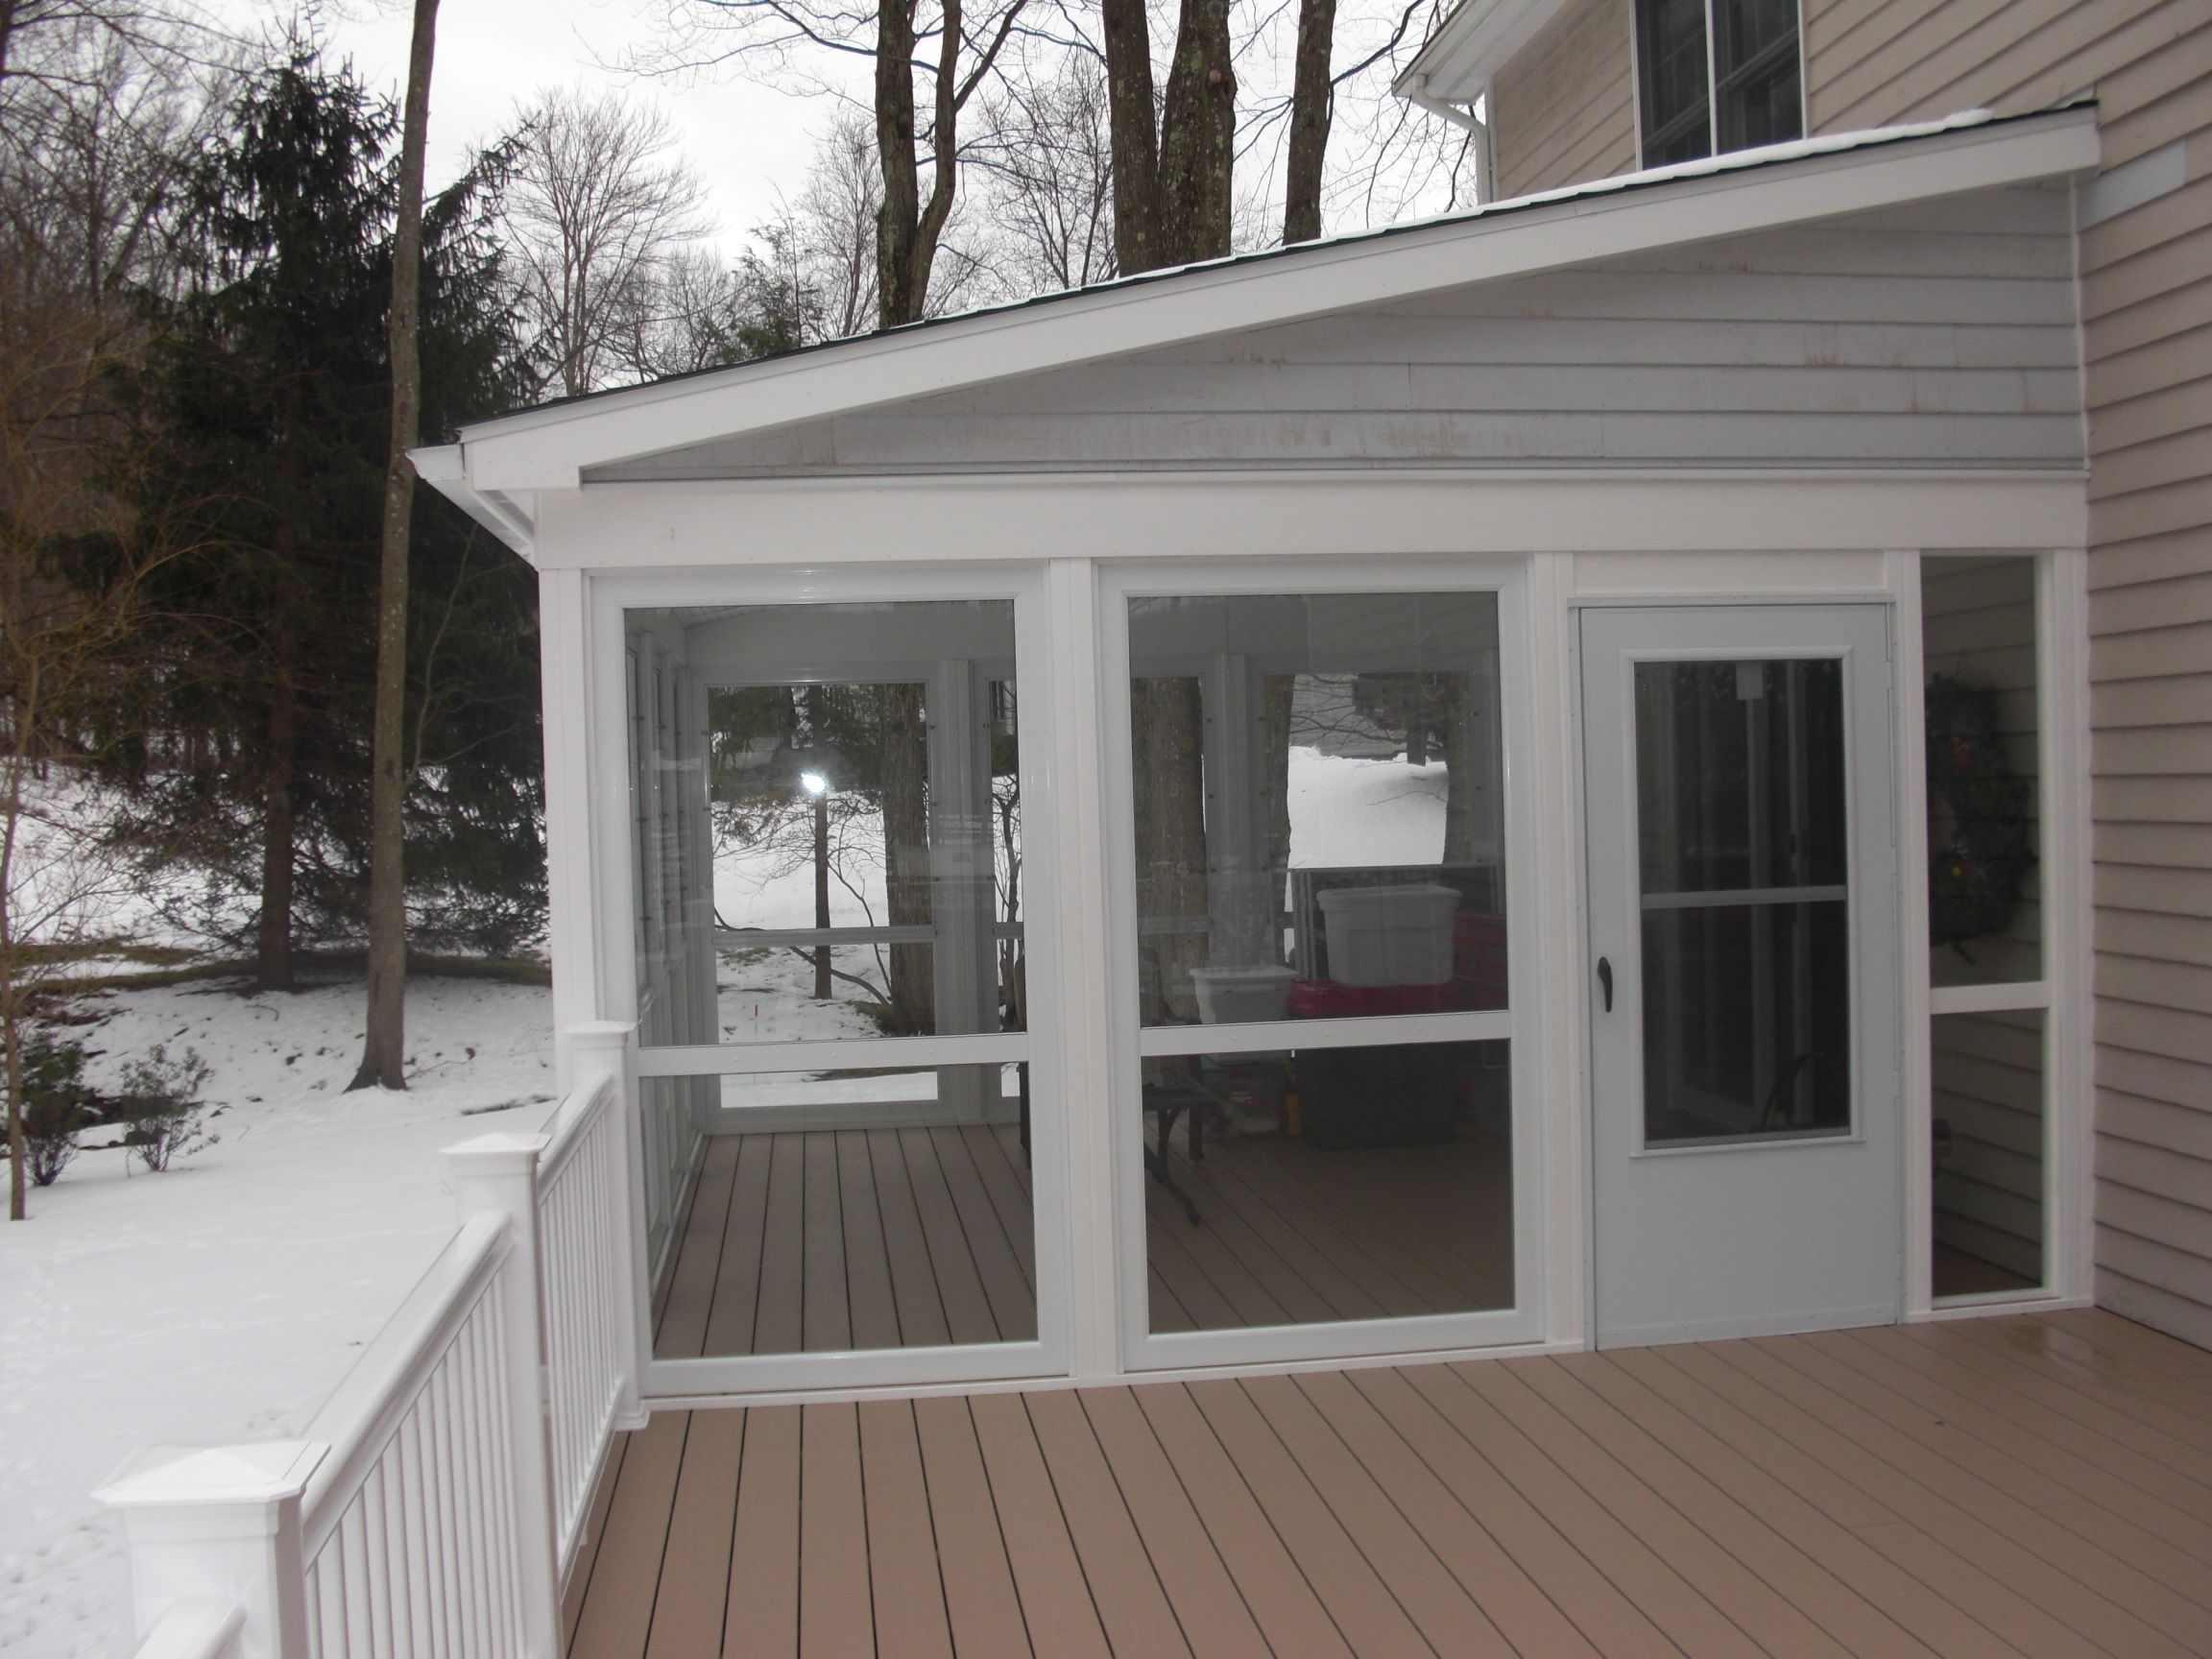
x=2027 y=1485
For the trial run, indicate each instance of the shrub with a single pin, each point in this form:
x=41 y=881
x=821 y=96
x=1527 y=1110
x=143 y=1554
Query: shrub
x=54 y=1104
x=159 y=1098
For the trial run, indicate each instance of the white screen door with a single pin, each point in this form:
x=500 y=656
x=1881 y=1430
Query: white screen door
x=1744 y=957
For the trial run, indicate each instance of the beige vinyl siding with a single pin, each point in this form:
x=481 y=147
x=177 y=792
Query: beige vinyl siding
x=2146 y=310
x=1562 y=110
x=1914 y=337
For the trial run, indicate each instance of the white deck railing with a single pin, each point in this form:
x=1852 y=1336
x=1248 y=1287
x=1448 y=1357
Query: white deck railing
x=437 y=1501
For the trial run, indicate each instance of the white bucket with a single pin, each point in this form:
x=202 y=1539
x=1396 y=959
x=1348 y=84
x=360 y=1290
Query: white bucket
x=1240 y=996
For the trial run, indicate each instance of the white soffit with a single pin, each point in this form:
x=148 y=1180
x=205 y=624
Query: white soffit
x=1472 y=45
x=499 y=464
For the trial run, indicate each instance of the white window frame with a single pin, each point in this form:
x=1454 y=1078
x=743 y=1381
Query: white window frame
x=614 y=866
x=1711 y=89
x=1520 y=1022
x=2062 y=994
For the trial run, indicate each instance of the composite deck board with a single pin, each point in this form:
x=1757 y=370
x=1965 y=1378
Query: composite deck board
x=812 y=1241
x=2021 y=1488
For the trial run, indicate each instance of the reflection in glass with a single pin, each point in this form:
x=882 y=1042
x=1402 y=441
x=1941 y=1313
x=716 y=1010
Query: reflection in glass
x=1987 y=1096
x=853 y=1209
x=1744 y=856
x=1977 y=633
x=1317 y=791
x=1326 y=1185
x=828 y=821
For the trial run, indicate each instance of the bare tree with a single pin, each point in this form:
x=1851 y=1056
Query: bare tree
x=927 y=62
x=596 y=208
x=384 y=1042
x=1047 y=176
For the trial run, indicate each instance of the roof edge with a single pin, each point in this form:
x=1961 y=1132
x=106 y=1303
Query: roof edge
x=1827 y=176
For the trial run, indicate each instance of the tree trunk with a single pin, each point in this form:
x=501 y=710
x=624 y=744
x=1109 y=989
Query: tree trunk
x=1129 y=118
x=1168 y=736
x=1311 y=104
x=1462 y=786
x=816 y=718
x=273 y=932
x=1197 y=138
x=907 y=854
x=384 y=1047
x=898 y=218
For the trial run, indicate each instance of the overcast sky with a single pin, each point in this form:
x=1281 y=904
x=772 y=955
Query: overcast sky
x=745 y=140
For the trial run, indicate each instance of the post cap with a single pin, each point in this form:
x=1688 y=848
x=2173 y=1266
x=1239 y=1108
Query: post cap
x=172 y=1475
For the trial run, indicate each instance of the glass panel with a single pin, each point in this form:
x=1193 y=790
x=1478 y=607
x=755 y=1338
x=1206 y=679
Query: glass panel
x=828 y=821
x=1988 y=1074
x=1742 y=836
x=1755 y=68
x=1978 y=636
x=1318 y=806
x=1323 y=1184
x=1671 y=56
x=853 y=1209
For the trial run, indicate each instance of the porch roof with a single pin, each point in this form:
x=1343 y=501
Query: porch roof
x=499 y=466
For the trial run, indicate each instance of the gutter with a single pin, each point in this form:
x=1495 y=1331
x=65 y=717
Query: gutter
x=1416 y=93
x=445 y=469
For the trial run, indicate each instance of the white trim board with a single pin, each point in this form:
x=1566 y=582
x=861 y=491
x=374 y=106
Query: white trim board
x=549 y=449
x=975 y=519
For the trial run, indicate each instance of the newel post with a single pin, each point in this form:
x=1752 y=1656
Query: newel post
x=500 y=1172
x=602 y=1048
x=220 y=1528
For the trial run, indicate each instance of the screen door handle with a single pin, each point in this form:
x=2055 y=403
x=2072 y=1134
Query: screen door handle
x=1605 y=979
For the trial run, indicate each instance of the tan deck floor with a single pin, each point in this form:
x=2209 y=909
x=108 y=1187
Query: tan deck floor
x=906 y=1237
x=2035 y=1485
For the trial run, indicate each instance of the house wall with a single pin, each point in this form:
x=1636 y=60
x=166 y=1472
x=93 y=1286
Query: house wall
x=2147 y=306
x=1563 y=110
x=1831 y=344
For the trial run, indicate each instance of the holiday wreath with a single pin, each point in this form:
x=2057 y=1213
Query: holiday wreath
x=1981 y=816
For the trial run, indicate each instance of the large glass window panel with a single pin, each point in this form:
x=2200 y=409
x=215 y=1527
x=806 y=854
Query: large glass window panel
x=1743 y=864
x=1755 y=95
x=1674 y=90
x=828 y=821
x=1978 y=640
x=1317 y=798
x=850 y=1210
x=1315 y=1186
x=1987 y=1099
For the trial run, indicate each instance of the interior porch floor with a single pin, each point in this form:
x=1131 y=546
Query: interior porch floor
x=2026 y=1485
x=827 y=1239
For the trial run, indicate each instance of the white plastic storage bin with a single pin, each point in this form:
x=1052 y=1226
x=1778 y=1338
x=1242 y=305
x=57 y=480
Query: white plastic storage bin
x=1389 y=935
x=1239 y=996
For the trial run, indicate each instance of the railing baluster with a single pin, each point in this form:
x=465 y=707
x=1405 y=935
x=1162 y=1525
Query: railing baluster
x=442 y=1496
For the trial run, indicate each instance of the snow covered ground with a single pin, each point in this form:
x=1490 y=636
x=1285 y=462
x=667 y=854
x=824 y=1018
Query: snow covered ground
x=223 y=1299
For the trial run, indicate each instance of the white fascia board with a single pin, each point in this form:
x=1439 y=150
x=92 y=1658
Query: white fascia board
x=444 y=469
x=1724 y=196
x=1471 y=46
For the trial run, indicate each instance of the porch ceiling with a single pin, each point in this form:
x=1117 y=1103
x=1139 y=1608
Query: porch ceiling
x=2032 y=1485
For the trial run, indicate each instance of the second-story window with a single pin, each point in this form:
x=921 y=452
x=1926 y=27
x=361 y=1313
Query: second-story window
x=1715 y=75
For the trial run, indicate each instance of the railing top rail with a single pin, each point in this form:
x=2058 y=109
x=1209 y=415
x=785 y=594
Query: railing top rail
x=359 y=1419
x=564 y=1129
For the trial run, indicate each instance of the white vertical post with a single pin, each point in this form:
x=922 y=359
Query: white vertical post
x=564 y=645
x=601 y=1048
x=500 y=1172
x=221 y=1527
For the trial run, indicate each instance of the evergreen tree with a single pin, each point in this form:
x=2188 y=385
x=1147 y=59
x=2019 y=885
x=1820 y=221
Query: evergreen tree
x=263 y=410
